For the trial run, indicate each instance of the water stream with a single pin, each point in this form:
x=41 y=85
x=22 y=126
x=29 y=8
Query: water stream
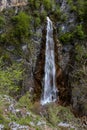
x=50 y=90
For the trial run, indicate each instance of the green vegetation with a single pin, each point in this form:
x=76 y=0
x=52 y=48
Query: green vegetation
x=66 y=38
x=57 y=115
x=48 y=4
x=37 y=22
x=10 y=77
x=52 y=114
x=18 y=30
x=2 y=22
x=23 y=28
x=21 y=25
x=79 y=8
x=28 y=98
x=79 y=33
x=81 y=54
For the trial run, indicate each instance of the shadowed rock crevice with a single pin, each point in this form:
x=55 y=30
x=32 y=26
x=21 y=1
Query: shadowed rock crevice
x=39 y=69
x=61 y=78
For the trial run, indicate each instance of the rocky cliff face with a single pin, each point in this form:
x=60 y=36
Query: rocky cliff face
x=69 y=70
x=64 y=95
x=70 y=55
x=10 y=3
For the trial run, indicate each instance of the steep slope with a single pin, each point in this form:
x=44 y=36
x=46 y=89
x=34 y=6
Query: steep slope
x=22 y=50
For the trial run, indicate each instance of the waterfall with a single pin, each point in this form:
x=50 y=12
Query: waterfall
x=50 y=91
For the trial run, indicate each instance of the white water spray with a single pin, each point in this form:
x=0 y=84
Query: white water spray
x=50 y=91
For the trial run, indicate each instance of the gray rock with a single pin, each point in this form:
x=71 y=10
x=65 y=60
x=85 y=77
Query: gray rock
x=28 y=113
x=10 y=3
x=1 y=127
x=32 y=123
x=10 y=48
x=41 y=123
x=15 y=126
x=12 y=109
x=66 y=126
x=24 y=47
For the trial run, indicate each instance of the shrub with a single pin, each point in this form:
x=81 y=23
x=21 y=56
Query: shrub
x=47 y=4
x=81 y=53
x=57 y=12
x=66 y=38
x=79 y=33
x=43 y=15
x=37 y=22
x=21 y=25
x=10 y=77
x=28 y=103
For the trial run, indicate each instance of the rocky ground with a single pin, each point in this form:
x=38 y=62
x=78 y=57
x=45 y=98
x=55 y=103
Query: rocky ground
x=19 y=116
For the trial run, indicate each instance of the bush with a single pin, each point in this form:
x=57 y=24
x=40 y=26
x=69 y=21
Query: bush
x=28 y=103
x=47 y=4
x=57 y=12
x=79 y=33
x=66 y=38
x=43 y=15
x=81 y=54
x=21 y=25
x=10 y=77
x=37 y=22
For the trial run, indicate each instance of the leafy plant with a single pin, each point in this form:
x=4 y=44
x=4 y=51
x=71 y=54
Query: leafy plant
x=21 y=25
x=10 y=77
x=79 y=33
x=47 y=4
x=66 y=38
x=27 y=98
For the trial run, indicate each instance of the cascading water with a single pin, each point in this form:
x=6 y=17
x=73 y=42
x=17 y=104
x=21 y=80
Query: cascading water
x=50 y=91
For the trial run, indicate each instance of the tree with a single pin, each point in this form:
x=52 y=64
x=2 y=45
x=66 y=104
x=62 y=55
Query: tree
x=10 y=76
x=21 y=25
